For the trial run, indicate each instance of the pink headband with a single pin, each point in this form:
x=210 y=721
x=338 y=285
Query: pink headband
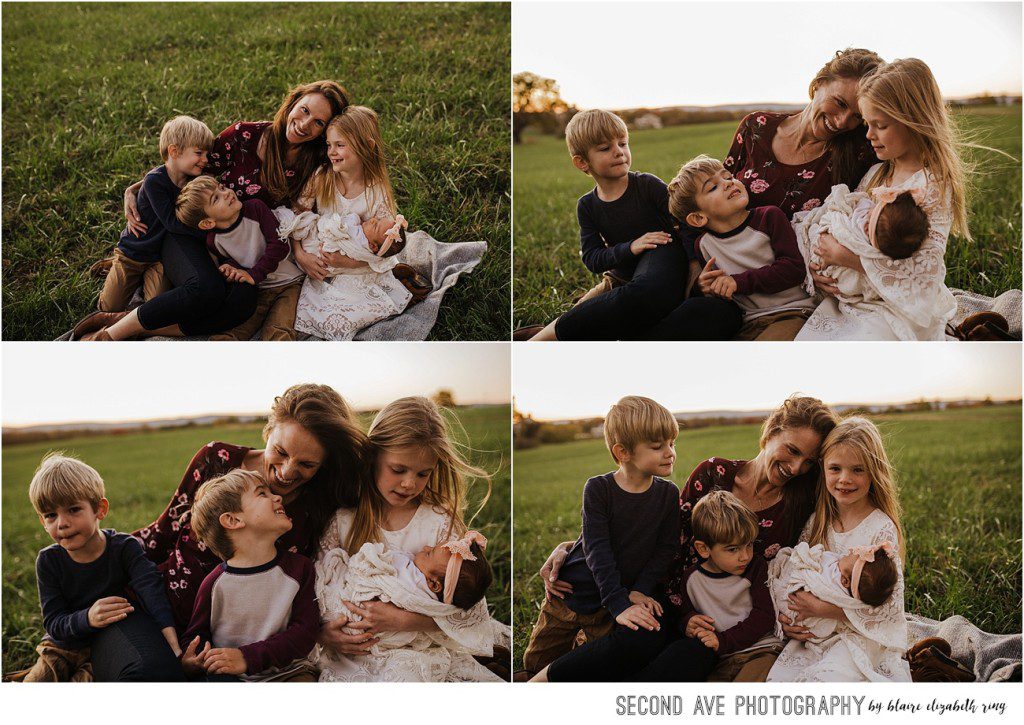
x=393 y=234
x=865 y=554
x=460 y=549
x=886 y=195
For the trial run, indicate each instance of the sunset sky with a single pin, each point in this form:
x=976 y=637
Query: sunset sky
x=47 y=383
x=619 y=55
x=582 y=380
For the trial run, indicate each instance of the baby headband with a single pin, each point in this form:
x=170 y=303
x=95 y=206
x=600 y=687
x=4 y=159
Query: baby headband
x=460 y=549
x=864 y=554
x=393 y=234
x=887 y=195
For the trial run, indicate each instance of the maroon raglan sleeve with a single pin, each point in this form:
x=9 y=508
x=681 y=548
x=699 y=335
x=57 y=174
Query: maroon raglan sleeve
x=788 y=268
x=299 y=637
x=761 y=618
x=277 y=248
x=200 y=624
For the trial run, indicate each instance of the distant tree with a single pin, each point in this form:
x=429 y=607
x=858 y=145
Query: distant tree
x=534 y=97
x=444 y=398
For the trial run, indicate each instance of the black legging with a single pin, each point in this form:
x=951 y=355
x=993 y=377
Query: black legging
x=615 y=658
x=133 y=650
x=685 y=660
x=698 y=318
x=202 y=301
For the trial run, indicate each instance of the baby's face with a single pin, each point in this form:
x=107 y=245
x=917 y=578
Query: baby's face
x=433 y=561
x=846 y=569
x=375 y=229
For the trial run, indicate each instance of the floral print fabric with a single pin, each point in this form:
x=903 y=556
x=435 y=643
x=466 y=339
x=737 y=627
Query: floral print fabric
x=234 y=161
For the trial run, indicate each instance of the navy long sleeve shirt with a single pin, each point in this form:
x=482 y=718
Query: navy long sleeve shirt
x=156 y=209
x=68 y=589
x=628 y=543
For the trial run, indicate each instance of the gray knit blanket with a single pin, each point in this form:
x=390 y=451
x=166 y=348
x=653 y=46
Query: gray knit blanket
x=992 y=657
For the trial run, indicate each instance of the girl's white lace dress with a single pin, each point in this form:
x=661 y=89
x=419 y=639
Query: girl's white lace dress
x=912 y=301
x=868 y=648
x=445 y=655
x=340 y=306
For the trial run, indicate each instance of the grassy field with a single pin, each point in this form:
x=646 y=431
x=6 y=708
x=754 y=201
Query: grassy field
x=87 y=87
x=142 y=470
x=959 y=473
x=549 y=274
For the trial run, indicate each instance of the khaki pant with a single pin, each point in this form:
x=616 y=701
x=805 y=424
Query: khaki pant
x=778 y=326
x=274 y=317
x=57 y=665
x=555 y=632
x=748 y=666
x=607 y=284
x=125 y=277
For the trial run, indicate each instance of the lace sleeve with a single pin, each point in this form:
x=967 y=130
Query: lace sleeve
x=377 y=204
x=331 y=538
x=885 y=624
x=805 y=535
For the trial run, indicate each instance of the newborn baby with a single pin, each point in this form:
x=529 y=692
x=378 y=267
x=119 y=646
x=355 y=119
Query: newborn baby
x=375 y=241
x=866 y=577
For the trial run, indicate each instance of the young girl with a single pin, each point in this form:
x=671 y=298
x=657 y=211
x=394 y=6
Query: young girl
x=413 y=496
x=857 y=507
x=356 y=182
x=912 y=135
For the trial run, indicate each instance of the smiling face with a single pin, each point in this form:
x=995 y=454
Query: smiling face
x=188 y=161
x=834 y=108
x=890 y=139
x=307 y=119
x=608 y=160
x=221 y=209
x=846 y=476
x=655 y=458
x=76 y=527
x=263 y=511
x=790 y=452
x=719 y=196
x=292 y=457
x=402 y=474
x=341 y=153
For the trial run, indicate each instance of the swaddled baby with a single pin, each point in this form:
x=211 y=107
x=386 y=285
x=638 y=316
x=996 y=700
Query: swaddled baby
x=866 y=577
x=375 y=241
x=883 y=223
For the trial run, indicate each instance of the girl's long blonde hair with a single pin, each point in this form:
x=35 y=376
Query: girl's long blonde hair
x=861 y=435
x=416 y=422
x=906 y=91
x=358 y=124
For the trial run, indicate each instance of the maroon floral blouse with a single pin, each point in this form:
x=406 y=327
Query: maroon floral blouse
x=181 y=558
x=790 y=187
x=710 y=475
x=235 y=163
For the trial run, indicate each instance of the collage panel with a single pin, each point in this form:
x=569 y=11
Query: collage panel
x=344 y=517
x=861 y=183
x=778 y=516
x=347 y=168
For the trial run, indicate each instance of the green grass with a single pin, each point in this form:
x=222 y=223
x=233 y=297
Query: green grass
x=87 y=87
x=959 y=474
x=549 y=274
x=141 y=470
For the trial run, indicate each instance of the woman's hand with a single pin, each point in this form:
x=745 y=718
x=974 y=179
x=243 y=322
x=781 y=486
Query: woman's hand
x=311 y=264
x=555 y=588
x=380 y=617
x=834 y=253
x=131 y=210
x=805 y=605
x=333 y=637
x=792 y=630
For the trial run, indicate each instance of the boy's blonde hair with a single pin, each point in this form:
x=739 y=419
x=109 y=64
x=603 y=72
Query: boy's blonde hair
x=683 y=189
x=408 y=423
x=634 y=420
x=906 y=91
x=588 y=129
x=360 y=127
x=721 y=518
x=190 y=208
x=862 y=436
x=184 y=132
x=218 y=496
x=62 y=481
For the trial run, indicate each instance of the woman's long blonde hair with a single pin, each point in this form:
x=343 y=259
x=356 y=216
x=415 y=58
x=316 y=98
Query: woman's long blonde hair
x=862 y=436
x=416 y=422
x=906 y=91
x=359 y=125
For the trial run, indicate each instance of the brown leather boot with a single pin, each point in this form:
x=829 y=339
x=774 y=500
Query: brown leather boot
x=99 y=336
x=930 y=661
x=526 y=333
x=94 y=322
x=418 y=285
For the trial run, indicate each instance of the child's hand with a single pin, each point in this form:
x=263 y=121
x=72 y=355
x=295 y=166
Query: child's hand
x=638 y=616
x=191 y=660
x=708 y=275
x=108 y=610
x=234 y=274
x=651 y=604
x=172 y=639
x=225 y=661
x=723 y=287
x=650 y=240
x=699 y=623
x=708 y=639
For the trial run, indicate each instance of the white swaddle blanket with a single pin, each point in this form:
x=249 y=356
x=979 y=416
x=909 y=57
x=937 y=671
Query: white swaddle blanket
x=331 y=233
